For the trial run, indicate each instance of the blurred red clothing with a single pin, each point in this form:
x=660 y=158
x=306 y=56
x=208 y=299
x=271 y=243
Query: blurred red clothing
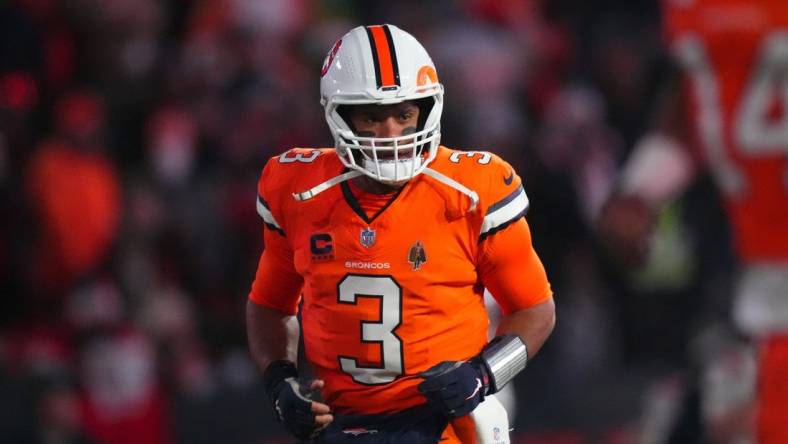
x=122 y=399
x=773 y=390
x=732 y=52
x=147 y=423
x=77 y=200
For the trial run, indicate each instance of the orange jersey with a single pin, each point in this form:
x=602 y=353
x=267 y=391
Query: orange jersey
x=390 y=295
x=735 y=53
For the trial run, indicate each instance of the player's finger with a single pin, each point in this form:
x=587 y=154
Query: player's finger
x=319 y=408
x=437 y=383
x=441 y=369
x=431 y=386
x=317 y=384
x=324 y=420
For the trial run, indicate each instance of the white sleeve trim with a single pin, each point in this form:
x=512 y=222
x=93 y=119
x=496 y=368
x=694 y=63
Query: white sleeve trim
x=265 y=213
x=505 y=211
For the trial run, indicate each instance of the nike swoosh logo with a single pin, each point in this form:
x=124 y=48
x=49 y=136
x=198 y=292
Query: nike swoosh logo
x=478 y=387
x=508 y=180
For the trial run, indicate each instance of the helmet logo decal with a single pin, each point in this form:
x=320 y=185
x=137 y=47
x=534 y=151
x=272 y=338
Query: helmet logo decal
x=426 y=75
x=330 y=57
x=384 y=57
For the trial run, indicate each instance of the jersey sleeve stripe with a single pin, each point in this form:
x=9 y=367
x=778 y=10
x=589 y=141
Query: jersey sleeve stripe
x=506 y=200
x=504 y=212
x=498 y=228
x=268 y=217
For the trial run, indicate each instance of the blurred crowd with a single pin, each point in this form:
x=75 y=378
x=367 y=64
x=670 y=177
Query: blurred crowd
x=132 y=134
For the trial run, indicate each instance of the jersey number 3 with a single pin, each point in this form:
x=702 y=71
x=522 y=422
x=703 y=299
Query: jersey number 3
x=380 y=332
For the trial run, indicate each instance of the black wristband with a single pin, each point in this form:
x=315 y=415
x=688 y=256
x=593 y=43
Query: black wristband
x=275 y=373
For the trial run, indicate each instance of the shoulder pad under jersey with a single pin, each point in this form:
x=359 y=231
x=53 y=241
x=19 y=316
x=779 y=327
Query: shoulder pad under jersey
x=502 y=198
x=291 y=172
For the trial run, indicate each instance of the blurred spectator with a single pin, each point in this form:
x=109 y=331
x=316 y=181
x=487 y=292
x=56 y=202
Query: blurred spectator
x=574 y=139
x=172 y=148
x=721 y=111
x=76 y=194
x=59 y=416
x=121 y=400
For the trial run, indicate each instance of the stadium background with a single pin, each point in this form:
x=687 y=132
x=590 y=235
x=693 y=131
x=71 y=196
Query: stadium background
x=132 y=133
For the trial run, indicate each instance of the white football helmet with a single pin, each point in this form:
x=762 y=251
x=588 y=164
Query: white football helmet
x=382 y=65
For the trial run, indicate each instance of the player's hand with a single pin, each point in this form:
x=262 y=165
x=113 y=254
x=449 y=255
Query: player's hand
x=625 y=226
x=455 y=387
x=297 y=409
x=296 y=405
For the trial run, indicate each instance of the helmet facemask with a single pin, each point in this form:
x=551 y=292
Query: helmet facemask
x=388 y=159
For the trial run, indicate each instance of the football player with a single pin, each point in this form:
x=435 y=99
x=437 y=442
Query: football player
x=385 y=244
x=732 y=87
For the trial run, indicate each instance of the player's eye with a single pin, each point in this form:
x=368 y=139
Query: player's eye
x=369 y=119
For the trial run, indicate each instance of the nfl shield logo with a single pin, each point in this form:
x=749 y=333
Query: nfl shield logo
x=367 y=237
x=496 y=434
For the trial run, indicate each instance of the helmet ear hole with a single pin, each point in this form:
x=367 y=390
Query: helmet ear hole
x=344 y=113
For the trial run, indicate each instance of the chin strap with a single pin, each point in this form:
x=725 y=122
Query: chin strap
x=446 y=180
x=314 y=191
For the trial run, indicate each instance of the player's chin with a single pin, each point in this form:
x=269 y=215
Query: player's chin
x=390 y=183
x=395 y=183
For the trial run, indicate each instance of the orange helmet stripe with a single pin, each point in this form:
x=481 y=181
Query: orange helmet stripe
x=384 y=56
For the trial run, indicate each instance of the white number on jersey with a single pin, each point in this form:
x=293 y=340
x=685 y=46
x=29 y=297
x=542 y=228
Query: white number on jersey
x=290 y=157
x=484 y=157
x=389 y=292
x=754 y=133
